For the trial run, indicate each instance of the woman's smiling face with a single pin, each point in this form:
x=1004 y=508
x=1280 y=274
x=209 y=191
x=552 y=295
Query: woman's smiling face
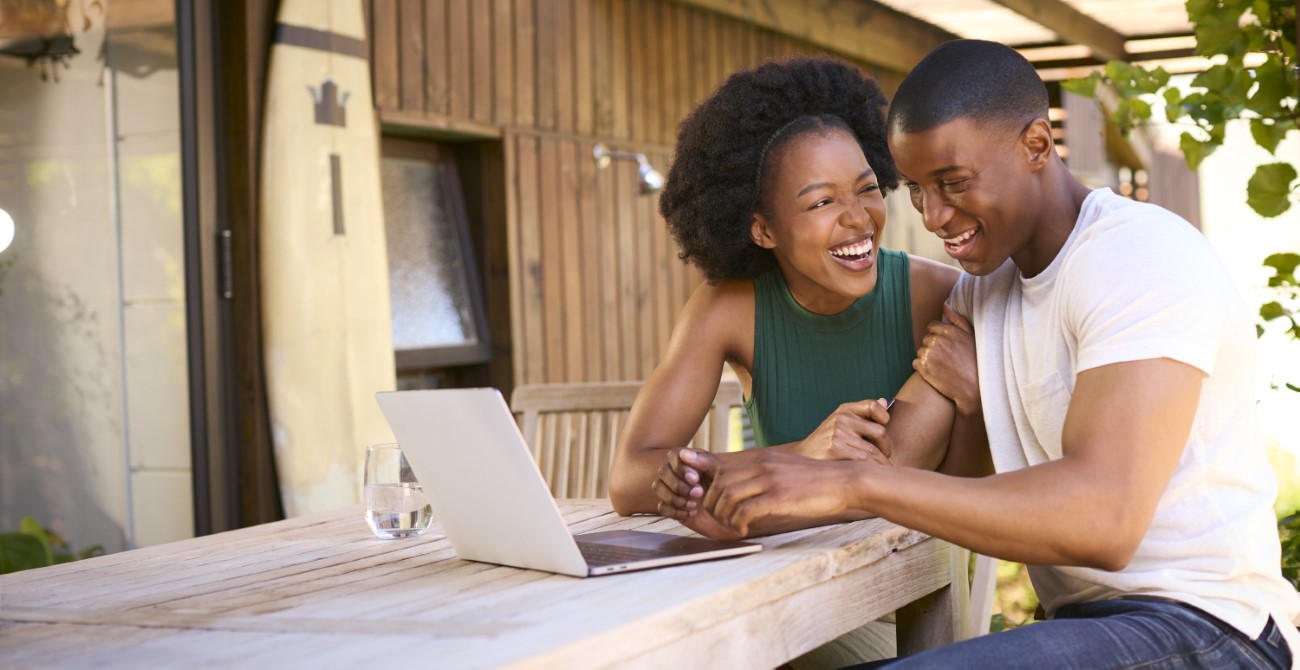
x=822 y=217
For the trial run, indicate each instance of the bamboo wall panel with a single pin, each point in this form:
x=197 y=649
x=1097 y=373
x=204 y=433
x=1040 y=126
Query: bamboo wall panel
x=596 y=283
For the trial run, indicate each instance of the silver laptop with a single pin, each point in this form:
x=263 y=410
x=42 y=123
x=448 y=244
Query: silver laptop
x=491 y=500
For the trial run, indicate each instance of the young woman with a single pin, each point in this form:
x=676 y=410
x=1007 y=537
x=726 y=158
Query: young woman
x=777 y=195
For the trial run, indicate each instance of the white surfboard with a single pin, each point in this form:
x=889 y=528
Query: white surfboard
x=325 y=303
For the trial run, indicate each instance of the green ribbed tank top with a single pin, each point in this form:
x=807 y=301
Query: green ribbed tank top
x=806 y=364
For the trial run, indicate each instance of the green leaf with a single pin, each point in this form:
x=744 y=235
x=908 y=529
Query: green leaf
x=1269 y=190
x=1197 y=8
x=1206 y=108
x=1272 y=87
x=1283 y=263
x=1161 y=76
x=1293 y=387
x=29 y=526
x=1261 y=9
x=1173 y=104
x=1218 y=32
x=1268 y=135
x=1117 y=71
x=1141 y=108
x=20 y=551
x=1084 y=86
x=1272 y=310
x=1194 y=151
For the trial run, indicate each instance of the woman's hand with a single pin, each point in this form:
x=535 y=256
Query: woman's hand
x=681 y=486
x=946 y=360
x=855 y=431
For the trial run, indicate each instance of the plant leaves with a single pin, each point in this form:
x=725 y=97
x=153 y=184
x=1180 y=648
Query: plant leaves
x=1271 y=310
x=1269 y=190
x=1084 y=86
x=29 y=526
x=20 y=551
x=1283 y=263
x=1218 y=32
x=1271 y=88
x=1194 y=151
x=1268 y=135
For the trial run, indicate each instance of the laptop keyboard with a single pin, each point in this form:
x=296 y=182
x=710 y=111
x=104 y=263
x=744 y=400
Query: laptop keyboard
x=607 y=554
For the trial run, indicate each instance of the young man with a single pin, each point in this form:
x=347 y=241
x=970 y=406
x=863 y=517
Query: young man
x=1115 y=365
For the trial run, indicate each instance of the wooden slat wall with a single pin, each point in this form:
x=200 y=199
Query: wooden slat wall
x=596 y=282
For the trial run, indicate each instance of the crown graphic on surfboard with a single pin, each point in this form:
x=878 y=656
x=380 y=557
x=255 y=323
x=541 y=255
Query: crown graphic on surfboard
x=330 y=108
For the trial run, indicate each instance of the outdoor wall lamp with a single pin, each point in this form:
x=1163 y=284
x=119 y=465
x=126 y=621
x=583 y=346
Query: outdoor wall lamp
x=650 y=179
x=6 y=230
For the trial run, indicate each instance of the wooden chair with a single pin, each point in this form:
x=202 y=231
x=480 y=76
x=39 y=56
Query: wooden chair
x=983 y=585
x=572 y=429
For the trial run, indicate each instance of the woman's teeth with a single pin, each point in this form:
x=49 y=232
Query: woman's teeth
x=857 y=249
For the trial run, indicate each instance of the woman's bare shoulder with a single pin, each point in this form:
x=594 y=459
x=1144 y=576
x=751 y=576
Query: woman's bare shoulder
x=931 y=279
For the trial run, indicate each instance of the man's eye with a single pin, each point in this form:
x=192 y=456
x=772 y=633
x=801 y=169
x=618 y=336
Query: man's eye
x=954 y=185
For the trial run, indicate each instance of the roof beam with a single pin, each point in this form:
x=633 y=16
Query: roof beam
x=859 y=29
x=1072 y=25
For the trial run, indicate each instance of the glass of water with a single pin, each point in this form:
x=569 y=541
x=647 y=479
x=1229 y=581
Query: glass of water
x=396 y=505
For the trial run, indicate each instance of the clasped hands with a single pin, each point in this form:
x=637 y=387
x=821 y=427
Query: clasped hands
x=722 y=498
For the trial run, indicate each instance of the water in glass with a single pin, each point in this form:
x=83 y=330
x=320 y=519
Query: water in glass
x=396 y=505
x=397 y=510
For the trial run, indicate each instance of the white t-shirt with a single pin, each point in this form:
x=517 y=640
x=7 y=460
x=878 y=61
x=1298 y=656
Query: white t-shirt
x=1135 y=282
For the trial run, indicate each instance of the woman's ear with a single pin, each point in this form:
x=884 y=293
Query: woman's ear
x=1038 y=144
x=760 y=233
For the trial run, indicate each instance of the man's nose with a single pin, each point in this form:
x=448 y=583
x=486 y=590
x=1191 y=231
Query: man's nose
x=935 y=213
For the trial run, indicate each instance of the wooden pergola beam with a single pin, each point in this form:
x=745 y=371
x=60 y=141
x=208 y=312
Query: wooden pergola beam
x=859 y=29
x=1072 y=25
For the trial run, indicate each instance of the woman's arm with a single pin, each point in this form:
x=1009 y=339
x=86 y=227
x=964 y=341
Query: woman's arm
x=716 y=324
x=945 y=359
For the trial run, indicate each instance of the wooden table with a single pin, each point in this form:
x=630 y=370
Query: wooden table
x=321 y=591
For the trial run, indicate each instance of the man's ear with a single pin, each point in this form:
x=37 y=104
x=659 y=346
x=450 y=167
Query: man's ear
x=1038 y=144
x=760 y=233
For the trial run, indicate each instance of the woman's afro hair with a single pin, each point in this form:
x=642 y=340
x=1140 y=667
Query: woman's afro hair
x=711 y=192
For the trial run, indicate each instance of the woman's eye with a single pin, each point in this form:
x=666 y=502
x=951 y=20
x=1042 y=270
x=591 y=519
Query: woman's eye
x=869 y=189
x=821 y=203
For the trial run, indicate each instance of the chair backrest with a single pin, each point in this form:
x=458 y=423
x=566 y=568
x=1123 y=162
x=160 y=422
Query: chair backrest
x=572 y=429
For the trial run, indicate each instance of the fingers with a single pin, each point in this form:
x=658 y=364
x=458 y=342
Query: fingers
x=957 y=319
x=683 y=501
x=703 y=463
x=870 y=410
x=726 y=500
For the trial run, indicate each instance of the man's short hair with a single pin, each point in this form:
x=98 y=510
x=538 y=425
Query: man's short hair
x=986 y=82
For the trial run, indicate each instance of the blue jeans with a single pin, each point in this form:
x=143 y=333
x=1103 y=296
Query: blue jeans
x=1124 y=633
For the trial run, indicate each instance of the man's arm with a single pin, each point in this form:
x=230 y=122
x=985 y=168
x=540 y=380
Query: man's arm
x=1124 y=433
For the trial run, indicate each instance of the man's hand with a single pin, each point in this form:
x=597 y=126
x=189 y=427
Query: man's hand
x=855 y=431
x=681 y=486
x=946 y=360
x=779 y=484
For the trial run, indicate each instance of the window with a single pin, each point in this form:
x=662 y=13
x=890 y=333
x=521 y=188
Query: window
x=439 y=318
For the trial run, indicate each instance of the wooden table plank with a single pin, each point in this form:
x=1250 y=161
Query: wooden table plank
x=324 y=590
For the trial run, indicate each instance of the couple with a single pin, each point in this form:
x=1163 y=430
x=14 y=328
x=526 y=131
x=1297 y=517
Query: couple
x=1095 y=356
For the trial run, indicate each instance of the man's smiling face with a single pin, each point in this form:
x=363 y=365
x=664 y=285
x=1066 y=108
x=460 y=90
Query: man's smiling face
x=973 y=184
